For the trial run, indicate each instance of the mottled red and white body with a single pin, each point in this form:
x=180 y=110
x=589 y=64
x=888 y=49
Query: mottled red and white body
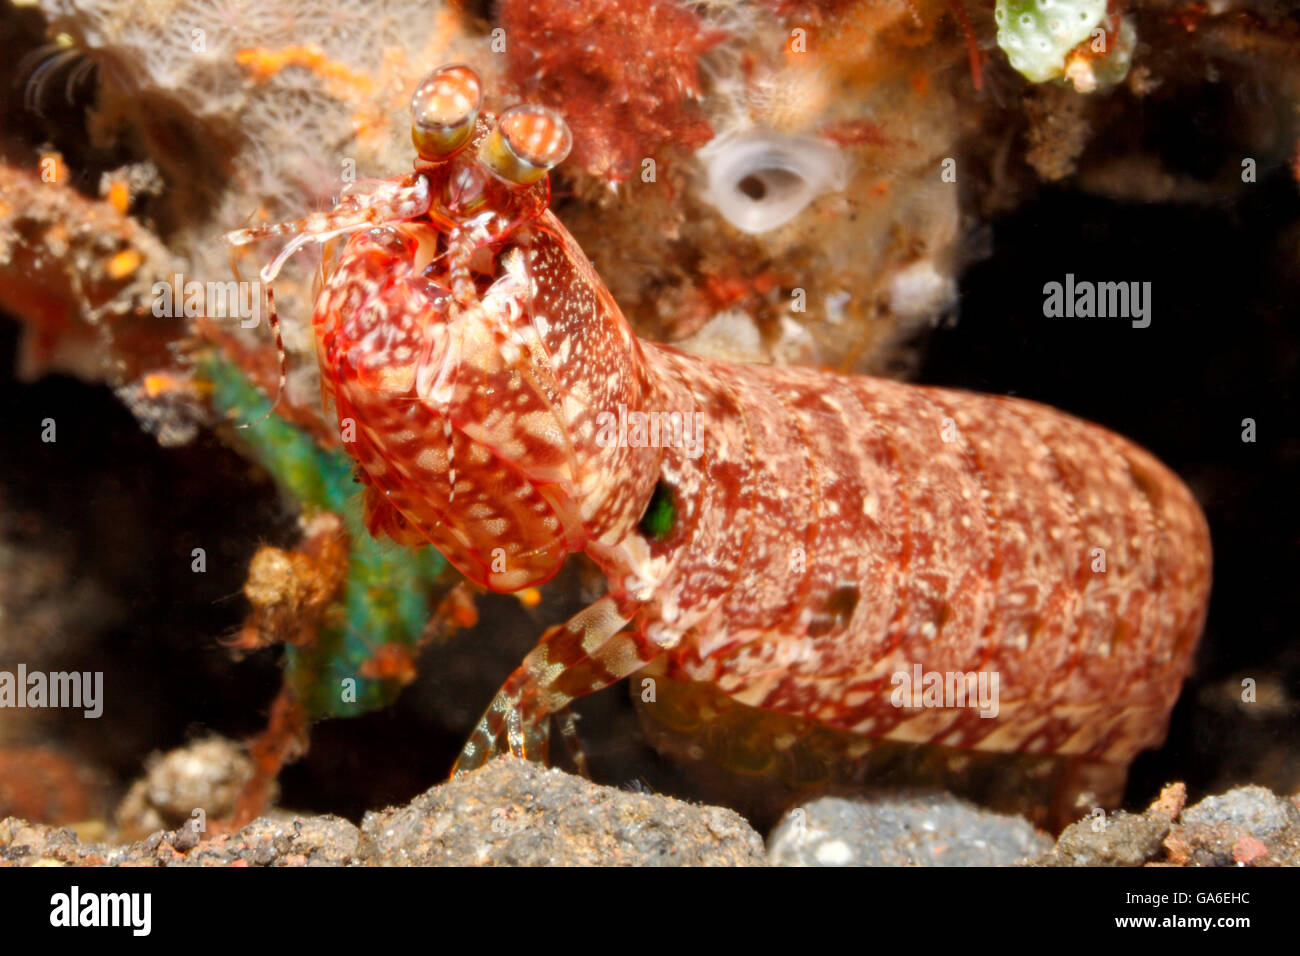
x=834 y=532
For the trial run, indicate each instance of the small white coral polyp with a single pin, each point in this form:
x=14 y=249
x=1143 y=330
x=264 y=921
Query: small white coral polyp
x=759 y=180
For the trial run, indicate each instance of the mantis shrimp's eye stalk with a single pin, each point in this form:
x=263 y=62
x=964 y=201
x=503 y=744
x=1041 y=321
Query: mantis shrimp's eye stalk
x=443 y=110
x=528 y=142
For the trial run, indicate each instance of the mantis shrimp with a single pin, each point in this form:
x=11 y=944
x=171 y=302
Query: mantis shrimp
x=827 y=534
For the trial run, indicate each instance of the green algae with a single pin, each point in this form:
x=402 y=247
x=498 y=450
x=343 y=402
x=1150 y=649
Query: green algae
x=387 y=597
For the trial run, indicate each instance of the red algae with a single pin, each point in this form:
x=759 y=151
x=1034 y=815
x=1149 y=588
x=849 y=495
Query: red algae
x=624 y=73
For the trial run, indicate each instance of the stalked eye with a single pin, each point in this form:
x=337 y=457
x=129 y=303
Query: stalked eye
x=528 y=142
x=443 y=110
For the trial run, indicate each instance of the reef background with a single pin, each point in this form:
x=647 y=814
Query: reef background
x=1143 y=183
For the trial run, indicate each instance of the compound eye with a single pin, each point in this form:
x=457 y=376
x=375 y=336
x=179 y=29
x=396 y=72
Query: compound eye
x=443 y=110
x=528 y=142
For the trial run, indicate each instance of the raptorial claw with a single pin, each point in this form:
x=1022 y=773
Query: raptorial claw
x=513 y=724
